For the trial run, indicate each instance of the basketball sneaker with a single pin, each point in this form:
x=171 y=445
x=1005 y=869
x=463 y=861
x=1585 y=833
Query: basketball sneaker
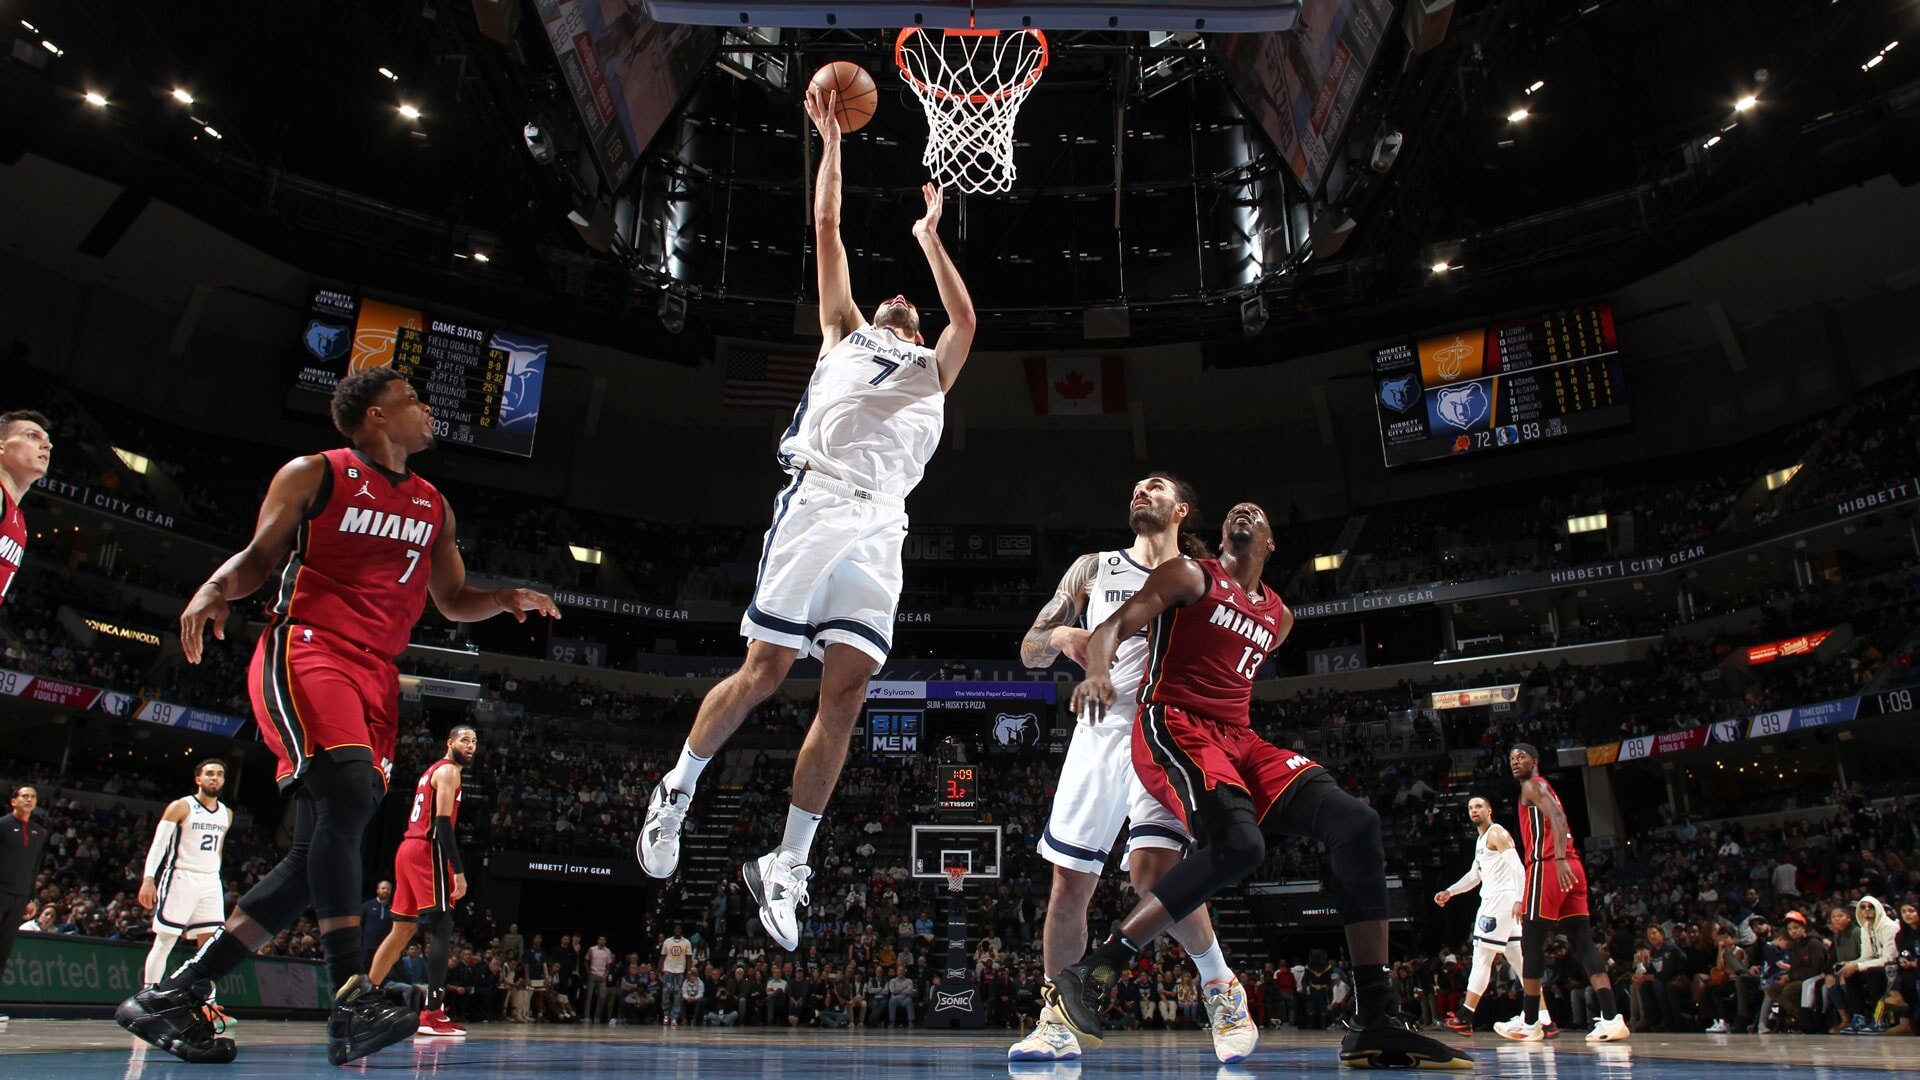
x=1050 y=1040
x=1548 y=1028
x=1388 y=1042
x=1609 y=1029
x=1075 y=995
x=437 y=1022
x=780 y=888
x=367 y=1018
x=1458 y=1025
x=658 y=847
x=1519 y=1030
x=1234 y=1032
x=176 y=1021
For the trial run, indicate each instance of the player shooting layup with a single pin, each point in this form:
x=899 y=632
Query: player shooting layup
x=1099 y=788
x=1497 y=873
x=829 y=577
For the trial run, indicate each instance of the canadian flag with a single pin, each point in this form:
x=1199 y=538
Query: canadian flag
x=1077 y=385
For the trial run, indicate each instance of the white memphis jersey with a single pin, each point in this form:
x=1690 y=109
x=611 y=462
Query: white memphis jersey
x=203 y=837
x=1501 y=875
x=1115 y=580
x=872 y=413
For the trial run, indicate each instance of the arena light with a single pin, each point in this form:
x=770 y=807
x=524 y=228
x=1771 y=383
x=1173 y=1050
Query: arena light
x=1517 y=115
x=1711 y=143
x=481 y=257
x=96 y=99
x=213 y=132
x=1873 y=63
x=1746 y=102
x=387 y=73
x=182 y=96
x=139 y=463
x=1323 y=563
x=52 y=48
x=590 y=556
x=1586 y=523
x=1442 y=267
x=1538 y=85
x=31 y=29
x=1780 y=479
x=409 y=112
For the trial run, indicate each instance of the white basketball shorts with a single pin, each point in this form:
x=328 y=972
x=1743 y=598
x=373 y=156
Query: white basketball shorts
x=1098 y=792
x=829 y=569
x=190 y=902
x=1494 y=927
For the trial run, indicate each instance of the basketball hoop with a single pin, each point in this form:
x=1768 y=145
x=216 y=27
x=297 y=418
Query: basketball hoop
x=956 y=878
x=971 y=84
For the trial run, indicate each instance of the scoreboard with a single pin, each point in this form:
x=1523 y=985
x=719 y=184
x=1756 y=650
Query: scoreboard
x=482 y=383
x=1500 y=386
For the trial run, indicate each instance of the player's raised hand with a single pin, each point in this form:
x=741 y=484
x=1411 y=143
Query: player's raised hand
x=823 y=108
x=1092 y=697
x=207 y=606
x=517 y=602
x=929 y=224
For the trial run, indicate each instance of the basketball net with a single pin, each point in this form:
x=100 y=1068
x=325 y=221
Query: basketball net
x=971 y=84
x=956 y=878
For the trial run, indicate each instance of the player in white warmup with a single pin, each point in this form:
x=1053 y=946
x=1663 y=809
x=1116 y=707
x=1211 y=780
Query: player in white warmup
x=181 y=882
x=829 y=576
x=1498 y=874
x=1099 y=789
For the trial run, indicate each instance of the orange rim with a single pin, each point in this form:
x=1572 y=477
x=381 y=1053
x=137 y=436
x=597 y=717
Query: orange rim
x=900 y=61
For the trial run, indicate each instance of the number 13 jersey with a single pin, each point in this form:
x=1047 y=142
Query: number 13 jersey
x=1202 y=658
x=360 y=564
x=871 y=415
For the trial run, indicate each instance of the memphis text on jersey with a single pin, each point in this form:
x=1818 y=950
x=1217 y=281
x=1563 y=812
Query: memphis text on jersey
x=410 y=531
x=1254 y=630
x=891 y=347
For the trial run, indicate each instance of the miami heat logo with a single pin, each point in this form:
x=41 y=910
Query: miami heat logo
x=1450 y=359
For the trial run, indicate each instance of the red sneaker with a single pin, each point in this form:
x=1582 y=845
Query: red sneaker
x=437 y=1023
x=1458 y=1026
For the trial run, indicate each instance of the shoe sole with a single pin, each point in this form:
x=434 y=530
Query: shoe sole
x=341 y=1051
x=640 y=853
x=750 y=873
x=1039 y=1055
x=1088 y=1040
x=1367 y=1059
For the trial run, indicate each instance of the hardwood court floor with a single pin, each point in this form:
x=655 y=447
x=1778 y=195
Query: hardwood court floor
x=89 y=1049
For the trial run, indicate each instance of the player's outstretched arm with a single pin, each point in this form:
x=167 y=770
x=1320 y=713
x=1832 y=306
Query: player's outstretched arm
x=288 y=499
x=164 y=832
x=839 y=316
x=1175 y=583
x=957 y=339
x=1053 y=631
x=461 y=602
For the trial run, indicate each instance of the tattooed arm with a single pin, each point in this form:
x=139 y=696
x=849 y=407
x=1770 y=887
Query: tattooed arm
x=1053 y=631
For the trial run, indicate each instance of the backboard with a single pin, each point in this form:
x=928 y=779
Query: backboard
x=1215 y=16
x=936 y=847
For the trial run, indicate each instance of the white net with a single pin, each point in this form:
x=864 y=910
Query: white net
x=971 y=84
x=956 y=878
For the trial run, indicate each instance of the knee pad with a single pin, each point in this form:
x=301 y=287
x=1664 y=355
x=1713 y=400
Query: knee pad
x=1228 y=856
x=345 y=795
x=1351 y=831
x=1239 y=850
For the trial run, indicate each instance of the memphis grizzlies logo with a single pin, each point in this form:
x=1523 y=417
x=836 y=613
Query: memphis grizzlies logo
x=327 y=341
x=1400 y=394
x=1463 y=407
x=526 y=371
x=1016 y=729
x=1488 y=924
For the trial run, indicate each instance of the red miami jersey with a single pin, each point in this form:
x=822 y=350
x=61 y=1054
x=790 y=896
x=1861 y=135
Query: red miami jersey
x=364 y=554
x=1536 y=828
x=1202 y=657
x=13 y=541
x=422 y=818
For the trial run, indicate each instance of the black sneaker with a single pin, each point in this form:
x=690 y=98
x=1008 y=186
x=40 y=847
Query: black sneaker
x=173 y=1020
x=366 y=1019
x=1076 y=994
x=1388 y=1043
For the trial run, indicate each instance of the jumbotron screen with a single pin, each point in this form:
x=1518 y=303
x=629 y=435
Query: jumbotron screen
x=1500 y=386
x=483 y=384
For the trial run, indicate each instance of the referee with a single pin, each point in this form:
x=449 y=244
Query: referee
x=22 y=843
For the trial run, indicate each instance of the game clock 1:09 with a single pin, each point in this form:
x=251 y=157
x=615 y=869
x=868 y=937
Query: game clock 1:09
x=957 y=787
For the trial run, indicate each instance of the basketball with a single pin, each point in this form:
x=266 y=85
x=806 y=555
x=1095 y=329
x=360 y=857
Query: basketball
x=857 y=93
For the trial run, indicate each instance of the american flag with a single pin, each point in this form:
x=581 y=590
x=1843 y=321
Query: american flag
x=759 y=378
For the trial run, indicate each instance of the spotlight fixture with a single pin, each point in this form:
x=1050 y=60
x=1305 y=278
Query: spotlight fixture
x=1538 y=85
x=538 y=144
x=388 y=74
x=1745 y=103
x=182 y=96
x=1517 y=115
x=409 y=112
x=1443 y=266
x=52 y=48
x=482 y=257
x=209 y=129
x=96 y=99
x=1711 y=143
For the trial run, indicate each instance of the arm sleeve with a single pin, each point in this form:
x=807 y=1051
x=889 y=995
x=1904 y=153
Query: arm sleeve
x=163 y=838
x=1516 y=870
x=1470 y=880
x=443 y=842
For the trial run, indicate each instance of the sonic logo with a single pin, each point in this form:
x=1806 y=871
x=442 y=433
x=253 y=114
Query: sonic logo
x=1463 y=407
x=1400 y=394
x=963 y=1001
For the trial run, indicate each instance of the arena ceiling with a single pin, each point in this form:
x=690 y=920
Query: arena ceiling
x=295 y=141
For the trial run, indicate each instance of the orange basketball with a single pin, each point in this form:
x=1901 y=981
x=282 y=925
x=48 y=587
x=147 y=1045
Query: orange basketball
x=857 y=93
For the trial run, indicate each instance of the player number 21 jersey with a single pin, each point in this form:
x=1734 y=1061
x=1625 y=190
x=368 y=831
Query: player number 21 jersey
x=871 y=415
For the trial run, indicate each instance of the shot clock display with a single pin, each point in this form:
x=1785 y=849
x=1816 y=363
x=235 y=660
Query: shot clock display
x=1500 y=386
x=957 y=788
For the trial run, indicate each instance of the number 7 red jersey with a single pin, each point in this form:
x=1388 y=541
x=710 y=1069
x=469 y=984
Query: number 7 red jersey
x=1202 y=658
x=360 y=565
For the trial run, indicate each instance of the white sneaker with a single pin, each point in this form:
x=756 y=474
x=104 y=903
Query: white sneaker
x=1519 y=1030
x=1234 y=1033
x=1719 y=1027
x=780 y=888
x=1050 y=1040
x=658 y=847
x=1611 y=1029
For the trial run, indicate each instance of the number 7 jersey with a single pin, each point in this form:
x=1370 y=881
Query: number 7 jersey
x=1202 y=658
x=871 y=415
x=360 y=564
